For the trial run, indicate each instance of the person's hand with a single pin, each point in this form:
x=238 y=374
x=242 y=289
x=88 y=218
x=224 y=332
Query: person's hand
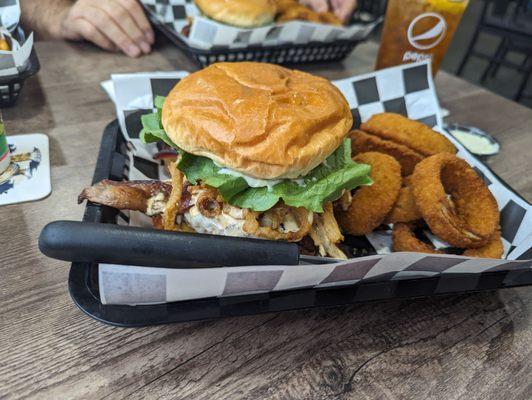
x=342 y=8
x=110 y=24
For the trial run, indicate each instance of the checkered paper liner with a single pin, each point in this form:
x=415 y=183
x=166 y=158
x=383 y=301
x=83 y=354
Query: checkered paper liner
x=13 y=61
x=406 y=89
x=208 y=34
x=9 y=14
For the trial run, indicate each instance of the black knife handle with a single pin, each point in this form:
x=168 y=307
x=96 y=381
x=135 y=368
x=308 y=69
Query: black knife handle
x=114 y=244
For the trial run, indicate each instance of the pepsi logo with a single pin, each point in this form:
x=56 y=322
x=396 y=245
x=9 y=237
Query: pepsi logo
x=427 y=30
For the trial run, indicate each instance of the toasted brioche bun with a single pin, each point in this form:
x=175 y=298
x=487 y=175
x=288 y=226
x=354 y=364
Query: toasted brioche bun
x=242 y=13
x=259 y=119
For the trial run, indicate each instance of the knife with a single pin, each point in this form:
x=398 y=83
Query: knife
x=115 y=244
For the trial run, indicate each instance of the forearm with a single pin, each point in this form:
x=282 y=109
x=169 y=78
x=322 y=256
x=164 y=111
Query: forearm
x=44 y=17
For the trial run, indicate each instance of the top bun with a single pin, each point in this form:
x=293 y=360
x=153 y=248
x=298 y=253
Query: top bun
x=259 y=119
x=242 y=13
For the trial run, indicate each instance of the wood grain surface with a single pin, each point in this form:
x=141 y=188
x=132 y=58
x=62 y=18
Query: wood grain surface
x=476 y=346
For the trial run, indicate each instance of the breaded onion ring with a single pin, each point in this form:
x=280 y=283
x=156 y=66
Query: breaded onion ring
x=492 y=249
x=413 y=134
x=404 y=209
x=467 y=219
x=362 y=142
x=371 y=204
x=404 y=239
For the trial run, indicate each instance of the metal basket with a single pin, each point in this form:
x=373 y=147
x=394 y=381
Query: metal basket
x=10 y=86
x=279 y=54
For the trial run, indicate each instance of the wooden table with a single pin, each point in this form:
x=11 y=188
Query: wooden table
x=470 y=346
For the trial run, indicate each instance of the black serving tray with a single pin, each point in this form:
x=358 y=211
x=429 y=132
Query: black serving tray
x=83 y=277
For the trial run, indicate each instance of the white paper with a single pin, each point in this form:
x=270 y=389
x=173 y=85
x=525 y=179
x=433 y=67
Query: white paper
x=9 y=14
x=14 y=61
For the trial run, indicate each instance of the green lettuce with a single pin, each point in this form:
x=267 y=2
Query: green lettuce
x=324 y=183
x=152 y=128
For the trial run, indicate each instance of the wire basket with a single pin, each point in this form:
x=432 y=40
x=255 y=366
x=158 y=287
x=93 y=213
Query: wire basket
x=10 y=86
x=279 y=54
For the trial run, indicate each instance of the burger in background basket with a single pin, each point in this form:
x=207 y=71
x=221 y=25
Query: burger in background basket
x=263 y=151
x=241 y=13
x=257 y=13
x=289 y=10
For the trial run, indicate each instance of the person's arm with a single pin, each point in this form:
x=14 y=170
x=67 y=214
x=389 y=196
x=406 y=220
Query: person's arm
x=43 y=17
x=110 y=24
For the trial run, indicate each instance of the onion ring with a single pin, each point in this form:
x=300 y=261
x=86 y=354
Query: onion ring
x=492 y=249
x=362 y=142
x=404 y=239
x=467 y=219
x=405 y=209
x=371 y=204
x=413 y=134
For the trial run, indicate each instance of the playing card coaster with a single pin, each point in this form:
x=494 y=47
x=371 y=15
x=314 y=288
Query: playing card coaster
x=28 y=176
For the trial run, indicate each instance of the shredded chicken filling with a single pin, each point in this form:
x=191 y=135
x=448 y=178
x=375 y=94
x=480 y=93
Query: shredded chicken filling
x=184 y=207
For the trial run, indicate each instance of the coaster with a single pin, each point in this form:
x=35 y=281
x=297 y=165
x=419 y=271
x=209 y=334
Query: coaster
x=28 y=176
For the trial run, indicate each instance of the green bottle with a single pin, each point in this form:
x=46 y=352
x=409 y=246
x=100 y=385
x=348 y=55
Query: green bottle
x=5 y=156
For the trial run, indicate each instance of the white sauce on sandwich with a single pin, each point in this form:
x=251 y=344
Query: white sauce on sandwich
x=252 y=182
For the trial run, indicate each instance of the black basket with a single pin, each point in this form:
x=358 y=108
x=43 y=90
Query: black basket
x=281 y=54
x=83 y=277
x=10 y=86
x=284 y=54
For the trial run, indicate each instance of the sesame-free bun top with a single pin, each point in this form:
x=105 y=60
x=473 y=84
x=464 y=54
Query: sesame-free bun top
x=259 y=119
x=242 y=13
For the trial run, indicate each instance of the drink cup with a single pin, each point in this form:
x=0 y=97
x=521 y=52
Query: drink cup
x=416 y=30
x=5 y=156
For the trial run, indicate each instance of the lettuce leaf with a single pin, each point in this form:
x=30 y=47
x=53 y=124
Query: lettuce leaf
x=152 y=128
x=324 y=183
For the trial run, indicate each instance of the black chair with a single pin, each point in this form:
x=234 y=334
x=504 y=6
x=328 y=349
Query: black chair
x=511 y=21
x=376 y=8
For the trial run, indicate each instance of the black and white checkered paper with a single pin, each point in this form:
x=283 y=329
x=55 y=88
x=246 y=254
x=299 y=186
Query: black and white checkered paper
x=9 y=14
x=207 y=34
x=15 y=60
x=406 y=89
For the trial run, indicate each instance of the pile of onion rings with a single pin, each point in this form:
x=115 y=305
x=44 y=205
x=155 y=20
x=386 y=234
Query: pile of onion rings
x=438 y=191
x=457 y=207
